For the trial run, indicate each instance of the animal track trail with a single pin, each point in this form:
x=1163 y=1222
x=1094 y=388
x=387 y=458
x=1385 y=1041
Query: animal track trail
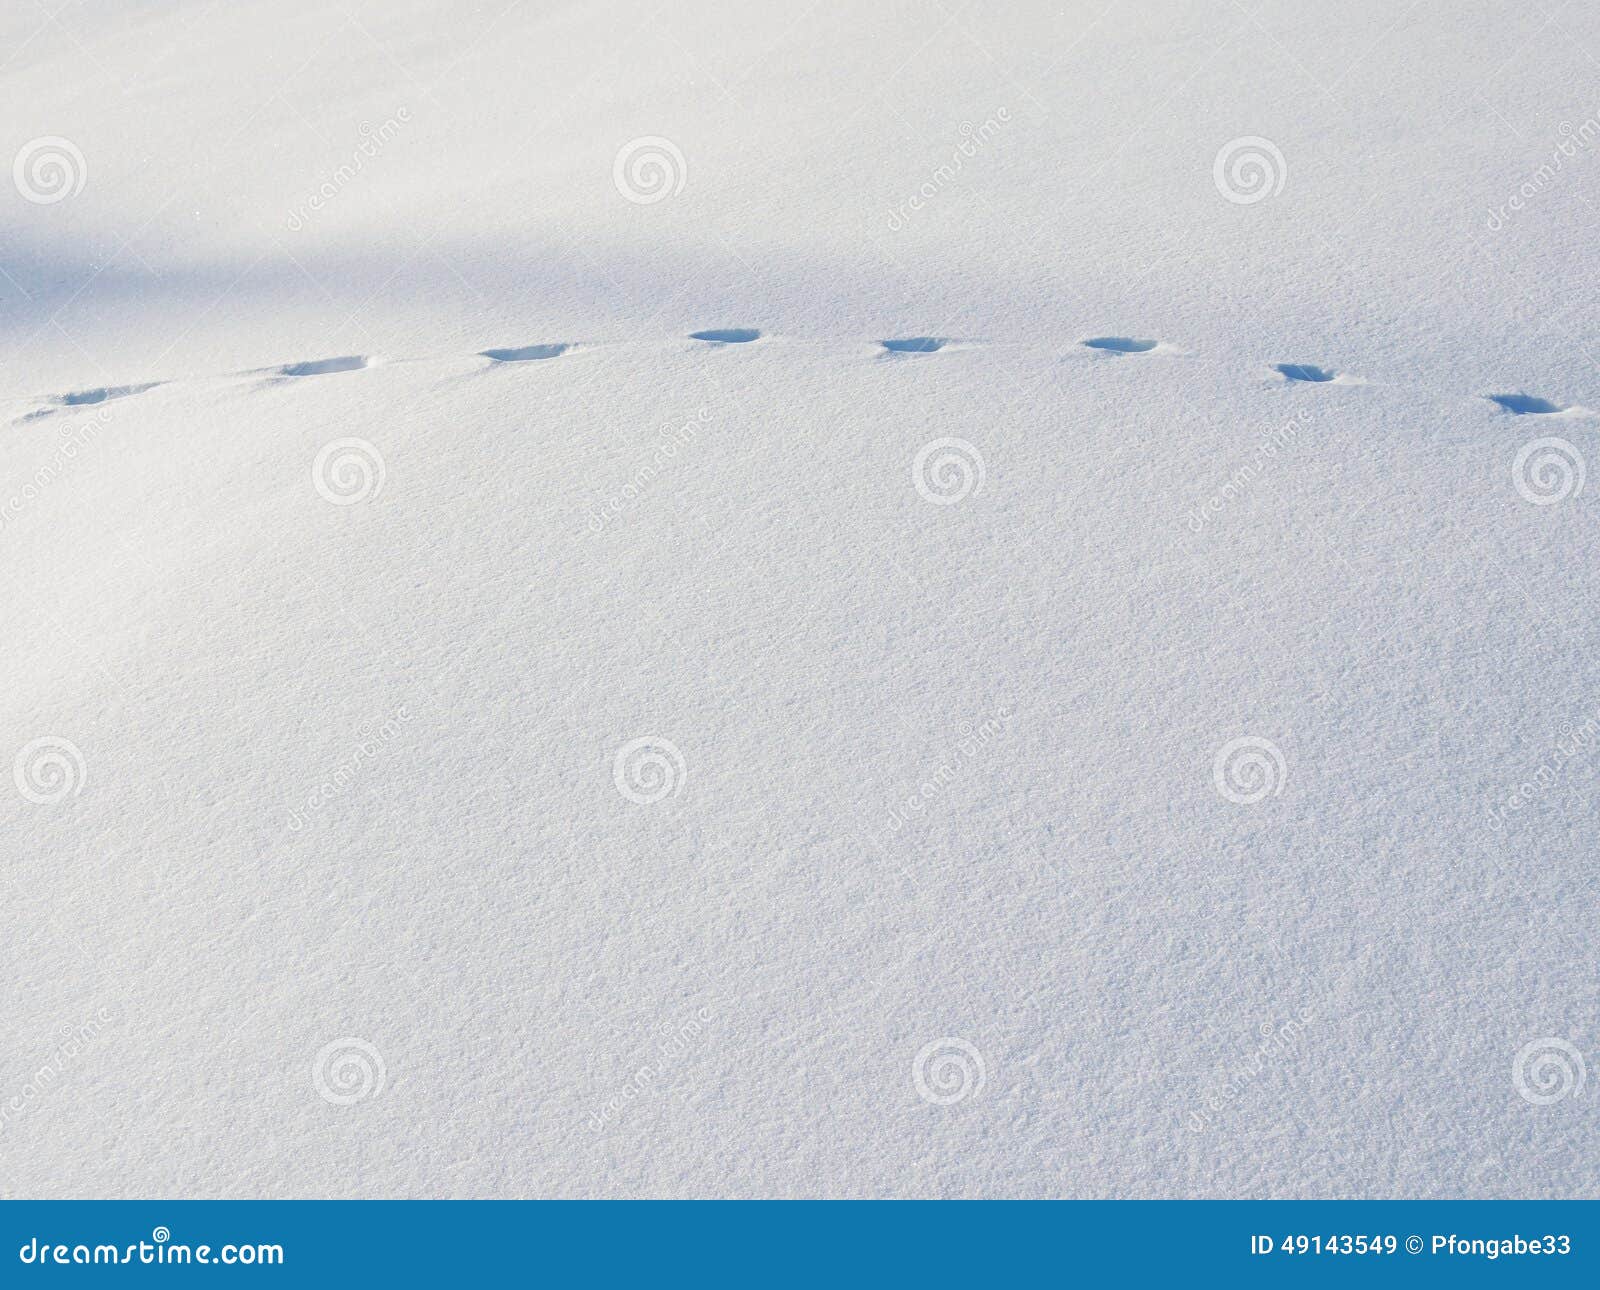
x=892 y=347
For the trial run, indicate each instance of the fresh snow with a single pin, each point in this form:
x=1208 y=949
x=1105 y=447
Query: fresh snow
x=908 y=600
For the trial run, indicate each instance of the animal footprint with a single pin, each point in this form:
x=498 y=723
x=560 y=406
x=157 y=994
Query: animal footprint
x=1523 y=404
x=527 y=354
x=88 y=398
x=727 y=335
x=915 y=345
x=105 y=394
x=322 y=366
x=1304 y=372
x=1121 y=344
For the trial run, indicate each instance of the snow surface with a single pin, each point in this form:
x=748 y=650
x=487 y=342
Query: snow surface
x=1079 y=682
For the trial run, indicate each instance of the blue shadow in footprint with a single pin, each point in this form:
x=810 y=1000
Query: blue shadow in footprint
x=1305 y=372
x=914 y=345
x=1524 y=403
x=727 y=335
x=527 y=354
x=84 y=398
x=1121 y=344
x=322 y=366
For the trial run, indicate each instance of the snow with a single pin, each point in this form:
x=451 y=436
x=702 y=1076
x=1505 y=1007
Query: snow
x=913 y=600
